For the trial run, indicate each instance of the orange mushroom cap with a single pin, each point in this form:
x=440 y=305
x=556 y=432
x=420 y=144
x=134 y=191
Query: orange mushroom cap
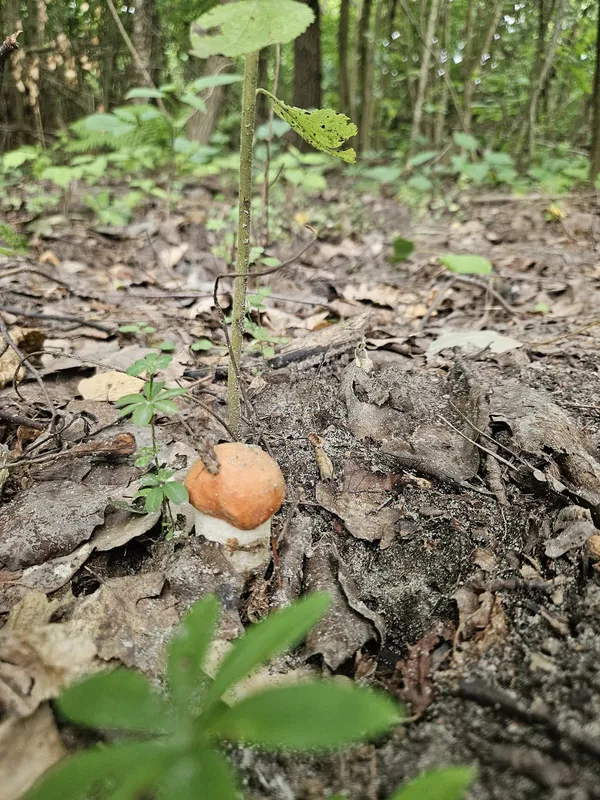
x=247 y=490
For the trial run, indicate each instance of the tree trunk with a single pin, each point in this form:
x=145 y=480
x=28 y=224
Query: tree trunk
x=468 y=69
x=538 y=85
x=595 y=144
x=366 y=83
x=345 y=102
x=262 y=105
x=307 y=68
x=141 y=39
x=202 y=124
x=423 y=74
x=474 y=57
x=368 y=88
x=440 y=117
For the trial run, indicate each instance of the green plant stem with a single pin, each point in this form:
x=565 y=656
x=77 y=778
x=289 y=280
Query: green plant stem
x=242 y=261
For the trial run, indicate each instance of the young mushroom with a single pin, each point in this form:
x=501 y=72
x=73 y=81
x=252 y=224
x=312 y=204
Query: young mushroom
x=235 y=506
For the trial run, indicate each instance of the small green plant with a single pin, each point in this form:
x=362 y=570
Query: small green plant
x=174 y=744
x=113 y=211
x=467 y=265
x=137 y=327
x=157 y=486
x=243 y=29
x=11 y=242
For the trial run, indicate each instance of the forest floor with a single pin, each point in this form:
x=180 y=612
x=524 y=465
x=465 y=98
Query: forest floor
x=454 y=520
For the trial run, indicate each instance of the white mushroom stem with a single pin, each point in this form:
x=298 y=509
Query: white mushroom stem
x=247 y=550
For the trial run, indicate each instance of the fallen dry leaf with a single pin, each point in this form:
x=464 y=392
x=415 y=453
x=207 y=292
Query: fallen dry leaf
x=109 y=386
x=29 y=746
x=360 y=512
x=48 y=521
x=28 y=340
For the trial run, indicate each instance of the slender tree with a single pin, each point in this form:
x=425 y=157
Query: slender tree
x=423 y=74
x=595 y=143
x=307 y=68
x=364 y=72
x=343 y=67
x=538 y=85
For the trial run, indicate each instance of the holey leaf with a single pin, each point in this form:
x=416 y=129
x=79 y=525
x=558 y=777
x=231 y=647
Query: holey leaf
x=238 y=28
x=324 y=128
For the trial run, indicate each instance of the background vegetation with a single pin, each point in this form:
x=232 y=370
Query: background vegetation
x=486 y=92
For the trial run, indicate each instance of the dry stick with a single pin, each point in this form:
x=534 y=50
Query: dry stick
x=8 y=273
x=24 y=359
x=134 y=53
x=15 y=419
x=472 y=441
x=19 y=312
x=266 y=185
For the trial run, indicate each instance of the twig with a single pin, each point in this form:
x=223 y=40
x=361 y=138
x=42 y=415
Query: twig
x=472 y=441
x=8 y=273
x=486 y=286
x=15 y=419
x=19 y=312
x=490 y=697
x=270 y=271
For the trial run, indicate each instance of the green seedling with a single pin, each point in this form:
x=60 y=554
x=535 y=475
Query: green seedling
x=467 y=265
x=172 y=743
x=157 y=487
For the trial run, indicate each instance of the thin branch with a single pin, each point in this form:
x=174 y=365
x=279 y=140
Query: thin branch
x=19 y=312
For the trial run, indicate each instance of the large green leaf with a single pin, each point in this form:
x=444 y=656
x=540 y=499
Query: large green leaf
x=121 y=699
x=448 y=783
x=319 y=716
x=238 y=28
x=187 y=653
x=268 y=638
x=203 y=773
x=467 y=265
x=73 y=777
x=324 y=129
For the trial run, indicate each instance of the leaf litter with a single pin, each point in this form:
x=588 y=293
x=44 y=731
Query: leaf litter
x=437 y=586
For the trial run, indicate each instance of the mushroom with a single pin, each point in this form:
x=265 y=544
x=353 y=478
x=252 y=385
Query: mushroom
x=235 y=506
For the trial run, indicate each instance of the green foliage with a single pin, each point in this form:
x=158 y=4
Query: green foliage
x=467 y=265
x=11 y=242
x=180 y=754
x=157 y=488
x=447 y=783
x=244 y=27
x=402 y=249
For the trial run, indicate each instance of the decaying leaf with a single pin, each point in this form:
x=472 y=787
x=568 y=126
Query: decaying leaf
x=48 y=521
x=109 y=386
x=349 y=625
x=572 y=527
x=360 y=513
x=417 y=668
x=324 y=463
x=29 y=746
x=496 y=343
x=323 y=128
